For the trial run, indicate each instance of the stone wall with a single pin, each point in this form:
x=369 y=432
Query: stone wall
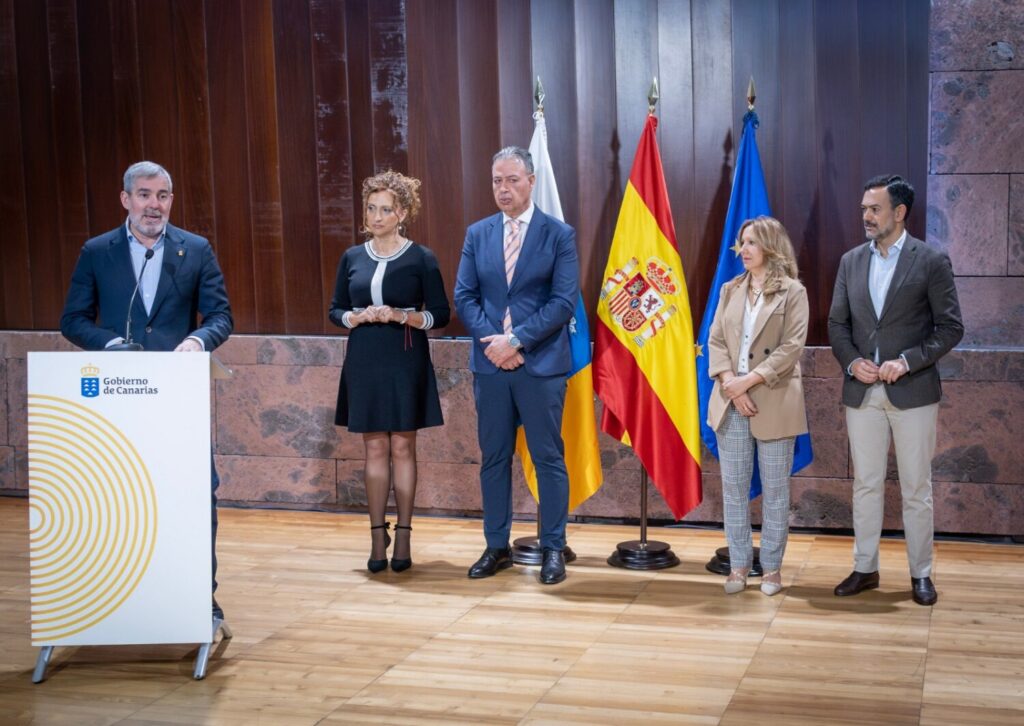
x=276 y=444
x=976 y=166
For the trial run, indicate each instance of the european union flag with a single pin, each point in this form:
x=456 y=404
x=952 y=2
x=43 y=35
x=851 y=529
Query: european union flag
x=749 y=198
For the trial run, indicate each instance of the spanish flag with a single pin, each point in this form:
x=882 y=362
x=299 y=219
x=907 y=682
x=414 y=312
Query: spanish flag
x=644 y=356
x=579 y=430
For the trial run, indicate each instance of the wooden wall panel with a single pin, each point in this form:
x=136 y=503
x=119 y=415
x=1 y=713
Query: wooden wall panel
x=16 y=300
x=333 y=150
x=270 y=113
x=675 y=68
x=188 y=28
x=513 y=41
x=40 y=162
x=797 y=158
x=553 y=34
x=264 y=163
x=714 y=139
x=233 y=225
x=300 y=198
x=65 y=98
x=599 y=197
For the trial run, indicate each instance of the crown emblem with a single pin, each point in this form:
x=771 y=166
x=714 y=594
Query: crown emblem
x=90 y=371
x=660 y=276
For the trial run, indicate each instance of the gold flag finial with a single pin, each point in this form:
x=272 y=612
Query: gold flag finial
x=751 y=95
x=538 y=95
x=653 y=95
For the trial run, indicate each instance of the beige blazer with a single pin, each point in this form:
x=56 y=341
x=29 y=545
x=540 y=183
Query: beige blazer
x=779 y=334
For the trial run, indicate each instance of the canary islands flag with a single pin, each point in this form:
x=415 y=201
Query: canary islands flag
x=579 y=429
x=644 y=369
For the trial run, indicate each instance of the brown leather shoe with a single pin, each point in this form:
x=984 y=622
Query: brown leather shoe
x=923 y=590
x=857 y=582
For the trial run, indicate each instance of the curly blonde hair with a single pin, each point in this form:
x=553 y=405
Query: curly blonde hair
x=404 y=189
x=778 y=252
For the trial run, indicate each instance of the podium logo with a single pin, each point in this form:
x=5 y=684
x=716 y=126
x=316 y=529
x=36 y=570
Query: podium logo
x=92 y=517
x=90 y=381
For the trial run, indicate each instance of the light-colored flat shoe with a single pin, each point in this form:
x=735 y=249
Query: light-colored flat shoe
x=771 y=586
x=735 y=582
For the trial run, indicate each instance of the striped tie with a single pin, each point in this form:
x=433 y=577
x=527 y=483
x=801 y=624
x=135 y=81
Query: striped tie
x=512 y=246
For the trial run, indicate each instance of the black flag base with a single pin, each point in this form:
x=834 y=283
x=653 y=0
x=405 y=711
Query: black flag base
x=719 y=564
x=527 y=551
x=643 y=555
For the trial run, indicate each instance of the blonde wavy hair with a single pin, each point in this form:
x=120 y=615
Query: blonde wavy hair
x=774 y=242
x=404 y=189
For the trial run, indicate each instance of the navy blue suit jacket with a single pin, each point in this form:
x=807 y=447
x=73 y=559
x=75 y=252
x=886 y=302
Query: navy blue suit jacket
x=191 y=286
x=541 y=297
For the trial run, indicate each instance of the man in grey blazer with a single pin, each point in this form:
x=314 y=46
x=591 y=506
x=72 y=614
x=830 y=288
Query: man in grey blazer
x=894 y=314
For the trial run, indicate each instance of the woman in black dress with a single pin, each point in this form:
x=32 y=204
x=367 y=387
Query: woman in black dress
x=388 y=293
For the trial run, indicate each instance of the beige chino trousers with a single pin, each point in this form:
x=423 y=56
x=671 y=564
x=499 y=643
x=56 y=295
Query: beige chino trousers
x=913 y=431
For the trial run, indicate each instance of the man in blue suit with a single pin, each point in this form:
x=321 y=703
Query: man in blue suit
x=516 y=291
x=180 y=282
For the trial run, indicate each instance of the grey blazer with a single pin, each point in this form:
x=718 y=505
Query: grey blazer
x=920 y=320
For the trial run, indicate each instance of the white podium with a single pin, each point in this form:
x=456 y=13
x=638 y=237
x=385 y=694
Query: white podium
x=119 y=501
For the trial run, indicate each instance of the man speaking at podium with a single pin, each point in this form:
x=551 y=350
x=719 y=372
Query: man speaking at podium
x=141 y=287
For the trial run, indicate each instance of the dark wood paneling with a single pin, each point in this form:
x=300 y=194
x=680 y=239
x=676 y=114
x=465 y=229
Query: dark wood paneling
x=264 y=161
x=437 y=151
x=714 y=139
x=159 y=107
x=675 y=68
x=188 y=25
x=333 y=151
x=233 y=226
x=16 y=300
x=389 y=83
x=515 y=70
x=839 y=169
x=65 y=98
x=596 y=142
x=552 y=30
x=270 y=113
x=357 y=40
x=479 y=105
x=39 y=162
x=797 y=159
x=300 y=197
x=127 y=58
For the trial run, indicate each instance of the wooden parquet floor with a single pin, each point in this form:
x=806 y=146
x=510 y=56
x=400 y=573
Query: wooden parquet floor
x=318 y=640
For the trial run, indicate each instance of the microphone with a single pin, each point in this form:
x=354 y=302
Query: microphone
x=128 y=344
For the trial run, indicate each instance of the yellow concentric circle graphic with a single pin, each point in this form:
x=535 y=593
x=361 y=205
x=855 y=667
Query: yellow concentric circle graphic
x=92 y=517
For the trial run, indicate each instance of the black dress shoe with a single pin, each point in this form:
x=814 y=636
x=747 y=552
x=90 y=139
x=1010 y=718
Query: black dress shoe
x=857 y=582
x=492 y=560
x=923 y=590
x=400 y=564
x=376 y=566
x=218 y=611
x=552 y=568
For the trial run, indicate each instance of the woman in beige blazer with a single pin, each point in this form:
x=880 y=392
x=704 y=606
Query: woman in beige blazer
x=754 y=350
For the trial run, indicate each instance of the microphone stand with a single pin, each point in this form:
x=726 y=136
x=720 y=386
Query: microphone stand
x=128 y=344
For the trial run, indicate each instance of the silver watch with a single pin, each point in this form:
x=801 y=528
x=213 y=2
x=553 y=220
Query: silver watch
x=514 y=341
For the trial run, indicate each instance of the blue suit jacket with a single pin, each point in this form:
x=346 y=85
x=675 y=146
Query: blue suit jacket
x=191 y=285
x=541 y=297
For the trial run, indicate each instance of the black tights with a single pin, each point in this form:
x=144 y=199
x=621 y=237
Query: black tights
x=390 y=463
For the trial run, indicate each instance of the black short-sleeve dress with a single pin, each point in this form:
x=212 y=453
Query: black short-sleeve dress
x=387 y=380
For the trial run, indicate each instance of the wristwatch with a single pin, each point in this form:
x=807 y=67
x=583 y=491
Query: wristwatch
x=514 y=341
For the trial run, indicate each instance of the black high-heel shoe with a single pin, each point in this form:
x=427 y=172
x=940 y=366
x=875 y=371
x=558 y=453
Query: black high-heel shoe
x=378 y=565
x=396 y=564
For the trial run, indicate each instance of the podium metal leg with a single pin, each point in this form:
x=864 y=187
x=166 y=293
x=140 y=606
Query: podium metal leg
x=45 y=653
x=203 y=656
